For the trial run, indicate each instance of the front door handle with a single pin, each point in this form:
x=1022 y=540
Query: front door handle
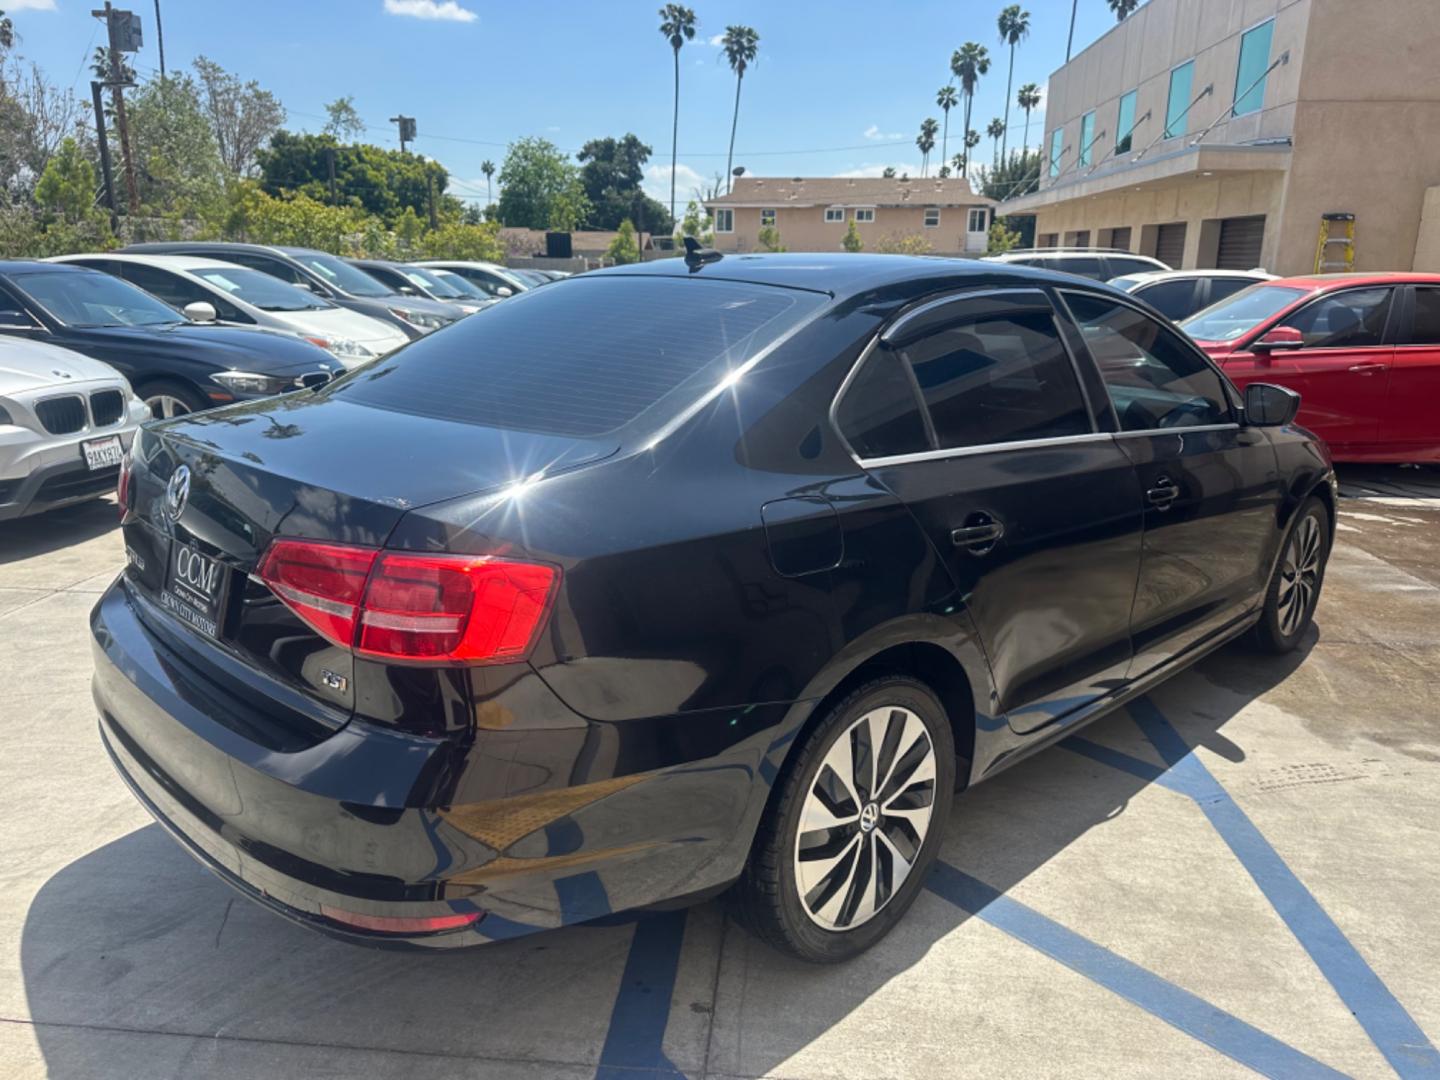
x=1164 y=492
x=1367 y=368
x=979 y=535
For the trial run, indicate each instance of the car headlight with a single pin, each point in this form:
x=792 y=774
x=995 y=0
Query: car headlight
x=343 y=348
x=245 y=382
x=424 y=320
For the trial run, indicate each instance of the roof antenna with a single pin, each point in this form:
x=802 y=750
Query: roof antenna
x=697 y=256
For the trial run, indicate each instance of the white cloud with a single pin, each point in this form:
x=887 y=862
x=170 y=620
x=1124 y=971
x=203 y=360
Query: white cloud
x=874 y=132
x=869 y=170
x=445 y=10
x=657 y=184
x=717 y=40
x=30 y=5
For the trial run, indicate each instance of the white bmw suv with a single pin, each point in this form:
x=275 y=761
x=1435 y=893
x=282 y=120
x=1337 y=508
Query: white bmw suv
x=65 y=423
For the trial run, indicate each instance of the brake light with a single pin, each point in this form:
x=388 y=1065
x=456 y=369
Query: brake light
x=402 y=924
x=122 y=483
x=411 y=607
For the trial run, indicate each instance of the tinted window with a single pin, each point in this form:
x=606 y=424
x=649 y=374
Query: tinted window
x=1154 y=378
x=584 y=360
x=879 y=414
x=1250 y=72
x=265 y=264
x=1426 y=328
x=1125 y=122
x=173 y=289
x=1085 y=267
x=87 y=298
x=1223 y=287
x=1177 y=108
x=998 y=378
x=1173 y=299
x=1121 y=265
x=1346 y=320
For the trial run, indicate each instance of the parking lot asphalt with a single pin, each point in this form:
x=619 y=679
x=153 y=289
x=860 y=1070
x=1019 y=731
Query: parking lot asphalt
x=1238 y=874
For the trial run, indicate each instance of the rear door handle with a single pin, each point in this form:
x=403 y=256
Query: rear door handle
x=1368 y=368
x=1164 y=492
x=979 y=534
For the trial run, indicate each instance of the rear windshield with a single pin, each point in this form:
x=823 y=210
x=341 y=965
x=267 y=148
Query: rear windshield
x=587 y=359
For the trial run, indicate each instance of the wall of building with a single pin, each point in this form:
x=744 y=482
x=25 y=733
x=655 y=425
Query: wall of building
x=1427 y=243
x=804 y=228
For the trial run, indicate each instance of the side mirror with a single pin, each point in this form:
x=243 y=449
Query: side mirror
x=503 y=291
x=200 y=311
x=1268 y=405
x=1282 y=337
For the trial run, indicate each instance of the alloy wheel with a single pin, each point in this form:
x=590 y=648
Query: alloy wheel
x=1299 y=575
x=165 y=406
x=865 y=818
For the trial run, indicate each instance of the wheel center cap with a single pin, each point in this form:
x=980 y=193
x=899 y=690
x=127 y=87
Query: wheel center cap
x=869 y=816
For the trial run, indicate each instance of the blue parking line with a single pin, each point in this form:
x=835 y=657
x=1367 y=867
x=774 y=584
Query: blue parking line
x=1118 y=759
x=1384 y=1019
x=642 y=1008
x=1162 y=999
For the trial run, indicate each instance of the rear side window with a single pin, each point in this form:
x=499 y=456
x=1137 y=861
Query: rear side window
x=584 y=360
x=1352 y=319
x=1173 y=299
x=1085 y=266
x=1222 y=288
x=1121 y=265
x=880 y=414
x=1426 y=328
x=1155 y=380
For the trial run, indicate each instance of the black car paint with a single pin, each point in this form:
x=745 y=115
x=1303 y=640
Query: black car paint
x=719 y=585
x=180 y=352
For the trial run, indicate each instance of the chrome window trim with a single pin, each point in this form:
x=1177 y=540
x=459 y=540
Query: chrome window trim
x=1149 y=433
x=985 y=448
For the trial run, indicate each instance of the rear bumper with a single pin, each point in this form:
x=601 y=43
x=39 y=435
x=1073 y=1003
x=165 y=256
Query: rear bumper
x=349 y=825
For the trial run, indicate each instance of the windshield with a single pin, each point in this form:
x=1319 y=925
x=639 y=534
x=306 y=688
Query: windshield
x=94 y=299
x=259 y=289
x=1241 y=313
x=465 y=288
x=342 y=275
x=530 y=277
x=430 y=283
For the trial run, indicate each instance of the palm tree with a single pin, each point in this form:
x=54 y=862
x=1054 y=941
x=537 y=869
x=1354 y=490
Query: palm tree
x=740 y=44
x=7 y=32
x=677 y=25
x=996 y=131
x=959 y=162
x=1123 y=9
x=488 y=168
x=1014 y=26
x=1027 y=98
x=946 y=98
x=926 y=141
x=968 y=63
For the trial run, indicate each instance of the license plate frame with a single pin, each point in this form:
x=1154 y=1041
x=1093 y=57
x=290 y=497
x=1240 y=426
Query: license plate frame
x=195 y=588
x=103 y=453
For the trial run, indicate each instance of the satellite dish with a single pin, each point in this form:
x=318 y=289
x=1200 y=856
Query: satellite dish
x=738 y=170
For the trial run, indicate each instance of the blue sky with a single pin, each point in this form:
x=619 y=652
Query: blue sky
x=840 y=87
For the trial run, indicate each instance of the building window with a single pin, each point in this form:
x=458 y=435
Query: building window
x=864 y=214
x=724 y=221
x=932 y=217
x=977 y=219
x=1125 y=123
x=1254 y=59
x=1177 y=112
x=1048 y=240
x=1087 y=137
x=834 y=213
x=1057 y=143
x=767 y=217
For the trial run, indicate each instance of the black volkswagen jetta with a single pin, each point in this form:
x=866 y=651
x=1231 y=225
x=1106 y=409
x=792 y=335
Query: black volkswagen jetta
x=679 y=577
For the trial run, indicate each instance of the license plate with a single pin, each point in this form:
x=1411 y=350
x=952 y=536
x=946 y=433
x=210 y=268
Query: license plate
x=102 y=453
x=195 y=588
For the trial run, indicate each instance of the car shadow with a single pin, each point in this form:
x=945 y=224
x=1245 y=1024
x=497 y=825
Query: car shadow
x=41 y=534
x=1400 y=482
x=136 y=937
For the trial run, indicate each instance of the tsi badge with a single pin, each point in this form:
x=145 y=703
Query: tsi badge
x=177 y=492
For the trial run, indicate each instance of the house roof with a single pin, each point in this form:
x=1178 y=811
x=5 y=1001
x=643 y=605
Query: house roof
x=768 y=192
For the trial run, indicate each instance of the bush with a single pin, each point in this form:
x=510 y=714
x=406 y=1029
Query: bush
x=770 y=239
x=852 y=242
x=624 y=248
x=904 y=244
x=1001 y=238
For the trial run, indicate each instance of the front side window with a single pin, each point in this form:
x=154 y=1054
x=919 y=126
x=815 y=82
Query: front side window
x=1177 y=112
x=1250 y=74
x=1087 y=137
x=724 y=220
x=1125 y=123
x=1000 y=376
x=932 y=217
x=1057 y=147
x=863 y=215
x=767 y=218
x=261 y=290
x=880 y=414
x=1426 y=327
x=977 y=220
x=342 y=275
x=1241 y=313
x=172 y=288
x=1353 y=319
x=1155 y=380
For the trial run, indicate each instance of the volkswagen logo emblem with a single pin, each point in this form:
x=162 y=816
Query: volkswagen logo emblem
x=177 y=492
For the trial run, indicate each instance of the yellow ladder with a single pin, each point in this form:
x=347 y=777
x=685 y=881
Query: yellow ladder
x=1323 y=264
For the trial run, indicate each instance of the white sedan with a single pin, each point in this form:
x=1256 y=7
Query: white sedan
x=209 y=290
x=1178 y=294
x=65 y=423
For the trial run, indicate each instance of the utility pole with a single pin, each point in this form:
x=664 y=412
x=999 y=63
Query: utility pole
x=407 y=129
x=114 y=21
x=160 y=39
x=330 y=166
x=95 y=92
x=430 y=183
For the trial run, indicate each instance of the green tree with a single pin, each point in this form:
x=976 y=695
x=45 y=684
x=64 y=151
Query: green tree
x=242 y=115
x=1027 y=97
x=66 y=191
x=378 y=181
x=471 y=243
x=889 y=173
x=677 y=25
x=696 y=223
x=177 y=163
x=996 y=131
x=1014 y=26
x=534 y=174
x=488 y=168
x=740 y=44
x=343 y=122
x=926 y=141
x=851 y=241
x=946 y=99
x=624 y=248
x=612 y=172
x=1123 y=9
x=569 y=209
x=968 y=63
x=1001 y=238
x=7 y=32
x=770 y=239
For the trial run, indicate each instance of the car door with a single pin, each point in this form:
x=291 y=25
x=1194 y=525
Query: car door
x=1342 y=370
x=1411 y=420
x=1211 y=487
x=1035 y=512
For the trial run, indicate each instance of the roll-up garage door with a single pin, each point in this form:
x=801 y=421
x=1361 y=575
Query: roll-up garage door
x=1120 y=238
x=1240 y=240
x=1170 y=244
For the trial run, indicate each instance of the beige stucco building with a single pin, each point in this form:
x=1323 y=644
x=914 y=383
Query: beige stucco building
x=1247 y=121
x=814 y=213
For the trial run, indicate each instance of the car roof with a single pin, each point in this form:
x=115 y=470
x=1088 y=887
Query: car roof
x=25 y=266
x=1336 y=281
x=188 y=263
x=1172 y=275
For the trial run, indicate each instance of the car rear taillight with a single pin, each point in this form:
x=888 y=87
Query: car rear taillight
x=402 y=924
x=413 y=608
x=122 y=483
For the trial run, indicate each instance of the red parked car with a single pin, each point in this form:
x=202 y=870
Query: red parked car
x=1362 y=350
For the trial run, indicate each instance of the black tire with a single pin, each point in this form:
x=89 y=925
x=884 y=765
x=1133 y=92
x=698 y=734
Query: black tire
x=173 y=390
x=768 y=898
x=1299 y=567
